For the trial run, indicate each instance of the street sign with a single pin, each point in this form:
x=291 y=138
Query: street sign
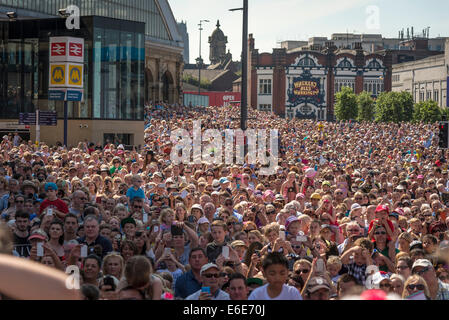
x=66 y=49
x=46 y=118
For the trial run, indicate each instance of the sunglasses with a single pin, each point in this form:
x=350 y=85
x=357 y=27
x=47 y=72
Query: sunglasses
x=271 y=212
x=422 y=271
x=224 y=274
x=385 y=285
x=211 y=275
x=299 y=271
x=138 y=207
x=417 y=286
x=296 y=247
x=380 y=233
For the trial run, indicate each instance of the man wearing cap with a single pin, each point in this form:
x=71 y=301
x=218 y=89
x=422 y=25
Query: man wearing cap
x=382 y=212
x=437 y=288
x=317 y=289
x=315 y=200
x=59 y=207
x=209 y=279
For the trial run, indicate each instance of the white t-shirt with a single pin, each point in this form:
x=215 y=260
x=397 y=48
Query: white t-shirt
x=287 y=293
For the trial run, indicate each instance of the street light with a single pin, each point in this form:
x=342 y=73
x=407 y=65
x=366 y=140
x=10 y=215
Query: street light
x=12 y=15
x=243 y=104
x=200 y=60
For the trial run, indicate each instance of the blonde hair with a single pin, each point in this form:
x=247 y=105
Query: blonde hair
x=420 y=280
x=274 y=226
x=112 y=256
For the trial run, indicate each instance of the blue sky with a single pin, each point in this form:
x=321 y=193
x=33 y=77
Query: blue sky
x=271 y=21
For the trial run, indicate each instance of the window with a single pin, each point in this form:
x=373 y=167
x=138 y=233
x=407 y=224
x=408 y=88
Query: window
x=428 y=95
x=306 y=62
x=265 y=86
x=421 y=96
x=374 y=65
x=265 y=107
x=436 y=95
x=345 y=64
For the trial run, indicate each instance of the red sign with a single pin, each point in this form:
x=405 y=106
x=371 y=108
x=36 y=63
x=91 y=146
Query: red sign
x=220 y=98
x=58 y=49
x=75 y=49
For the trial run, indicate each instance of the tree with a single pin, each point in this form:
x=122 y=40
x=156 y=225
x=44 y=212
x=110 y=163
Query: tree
x=365 y=106
x=427 y=111
x=346 y=104
x=394 y=107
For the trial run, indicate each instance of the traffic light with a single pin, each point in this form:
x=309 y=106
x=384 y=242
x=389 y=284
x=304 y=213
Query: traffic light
x=443 y=135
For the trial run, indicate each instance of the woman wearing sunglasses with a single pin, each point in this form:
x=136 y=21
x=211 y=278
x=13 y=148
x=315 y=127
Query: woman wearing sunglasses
x=385 y=248
x=414 y=286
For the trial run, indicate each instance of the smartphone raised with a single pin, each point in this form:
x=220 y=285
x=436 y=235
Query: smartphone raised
x=282 y=235
x=83 y=251
x=205 y=289
x=320 y=267
x=225 y=252
x=40 y=249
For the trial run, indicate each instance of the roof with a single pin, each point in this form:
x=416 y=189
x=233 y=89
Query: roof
x=187 y=87
x=207 y=74
x=239 y=80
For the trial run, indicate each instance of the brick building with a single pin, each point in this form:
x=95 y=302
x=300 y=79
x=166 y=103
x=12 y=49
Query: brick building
x=303 y=83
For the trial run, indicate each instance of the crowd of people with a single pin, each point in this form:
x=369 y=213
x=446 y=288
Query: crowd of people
x=352 y=211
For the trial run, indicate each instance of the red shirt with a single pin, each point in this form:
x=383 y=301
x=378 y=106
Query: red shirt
x=390 y=224
x=58 y=203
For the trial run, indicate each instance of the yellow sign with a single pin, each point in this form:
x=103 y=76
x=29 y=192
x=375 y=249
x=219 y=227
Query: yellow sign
x=306 y=88
x=75 y=75
x=57 y=74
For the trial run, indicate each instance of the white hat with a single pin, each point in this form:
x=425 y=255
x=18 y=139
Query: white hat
x=422 y=263
x=207 y=267
x=203 y=220
x=356 y=206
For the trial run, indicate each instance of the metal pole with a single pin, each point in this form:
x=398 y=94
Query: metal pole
x=199 y=65
x=244 y=104
x=38 y=128
x=65 y=123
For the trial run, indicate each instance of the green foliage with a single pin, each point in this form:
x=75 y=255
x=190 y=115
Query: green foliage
x=205 y=84
x=366 y=107
x=346 y=104
x=427 y=111
x=394 y=107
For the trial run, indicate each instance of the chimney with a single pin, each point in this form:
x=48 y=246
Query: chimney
x=251 y=42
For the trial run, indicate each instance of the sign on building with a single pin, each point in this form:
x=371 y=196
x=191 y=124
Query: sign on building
x=66 y=70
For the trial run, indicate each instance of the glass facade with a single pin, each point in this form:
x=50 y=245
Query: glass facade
x=114 y=61
x=146 y=11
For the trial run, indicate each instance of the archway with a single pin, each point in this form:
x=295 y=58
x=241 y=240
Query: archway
x=149 y=86
x=167 y=87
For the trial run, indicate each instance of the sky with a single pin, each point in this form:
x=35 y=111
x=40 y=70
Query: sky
x=272 y=21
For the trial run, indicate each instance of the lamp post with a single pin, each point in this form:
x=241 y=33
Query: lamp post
x=200 y=60
x=243 y=104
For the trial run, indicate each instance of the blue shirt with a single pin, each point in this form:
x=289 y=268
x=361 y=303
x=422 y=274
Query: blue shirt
x=133 y=193
x=186 y=285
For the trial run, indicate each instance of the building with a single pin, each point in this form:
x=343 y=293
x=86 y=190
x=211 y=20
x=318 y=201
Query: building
x=182 y=27
x=133 y=54
x=302 y=83
x=425 y=79
x=370 y=42
x=220 y=74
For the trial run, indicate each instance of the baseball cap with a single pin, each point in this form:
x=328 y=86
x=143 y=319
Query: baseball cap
x=203 y=220
x=356 y=206
x=251 y=281
x=208 y=266
x=290 y=220
x=223 y=180
x=310 y=173
x=198 y=206
x=326 y=183
x=416 y=245
x=315 y=196
x=381 y=208
x=238 y=243
x=317 y=283
x=394 y=214
x=51 y=185
x=38 y=234
x=422 y=263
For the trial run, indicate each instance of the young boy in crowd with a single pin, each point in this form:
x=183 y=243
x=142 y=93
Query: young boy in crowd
x=135 y=190
x=275 y=271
